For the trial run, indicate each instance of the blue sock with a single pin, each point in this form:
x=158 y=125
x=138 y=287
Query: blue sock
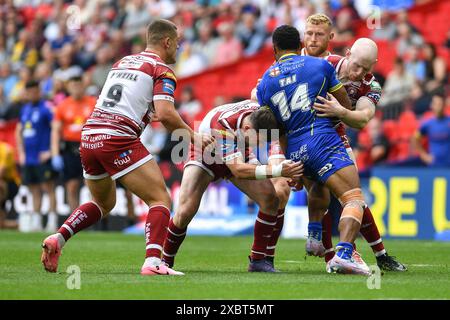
x=345 y=250
x=315 y=230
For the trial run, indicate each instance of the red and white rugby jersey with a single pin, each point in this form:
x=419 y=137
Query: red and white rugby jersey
x=223 y=122
x=125 y=105
x=367 y=87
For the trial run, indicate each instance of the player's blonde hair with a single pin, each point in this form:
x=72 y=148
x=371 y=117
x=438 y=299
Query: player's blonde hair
x=319 y=18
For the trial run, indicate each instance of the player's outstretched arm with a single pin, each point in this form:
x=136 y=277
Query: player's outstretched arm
x=287 y=169
x=169 y=117
x=358 y=118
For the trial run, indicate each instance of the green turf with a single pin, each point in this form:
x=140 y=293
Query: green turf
x=215 y=268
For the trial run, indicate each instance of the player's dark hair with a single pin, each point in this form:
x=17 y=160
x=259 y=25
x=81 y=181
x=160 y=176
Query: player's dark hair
x=263 y=118
x=286 y=37
x=160 y=29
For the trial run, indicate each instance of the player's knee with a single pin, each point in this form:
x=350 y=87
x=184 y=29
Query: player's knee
x=353 y=204
x=283 y=192
x=268 y=201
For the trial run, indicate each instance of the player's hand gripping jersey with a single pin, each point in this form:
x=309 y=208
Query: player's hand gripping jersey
x=223 y=123
x=289 y=88
x=110 y=144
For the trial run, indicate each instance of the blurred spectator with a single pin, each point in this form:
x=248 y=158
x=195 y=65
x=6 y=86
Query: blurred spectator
x=8 y=80
x=119 y=47
x=136 y=19
x=189 y=62
x=189 y=107
x=4 y=56
x=387 y=29
x=43 y=74
x=206 y=45
x=67 y=69
x=420 y=99
x=373 y=150
x=102 y=67
x=16 y=93
x=70 y=115
x=406 y=39
x=120 y=14
x=398 y=86
x=229 y=49
x=33 y=147
x=415 y=65
x=435 y=67
x=9 y=182
x=344 y=30
x=24 y=51
x=251 y=32
x=437 y=130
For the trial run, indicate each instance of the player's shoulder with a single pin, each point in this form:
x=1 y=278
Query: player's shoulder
x=147 y=62
x=334 y=59
x=371 y=82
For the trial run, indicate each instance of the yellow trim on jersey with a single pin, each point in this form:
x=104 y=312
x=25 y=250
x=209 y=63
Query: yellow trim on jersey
x=335 y=88
x=287 y=55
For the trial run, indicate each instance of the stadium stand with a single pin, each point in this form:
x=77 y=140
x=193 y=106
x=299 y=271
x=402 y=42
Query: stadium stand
x=42 y=34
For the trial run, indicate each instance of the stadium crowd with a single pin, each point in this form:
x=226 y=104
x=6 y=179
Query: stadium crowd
x=55 y=43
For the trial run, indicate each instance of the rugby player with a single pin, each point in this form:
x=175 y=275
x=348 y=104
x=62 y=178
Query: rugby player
x=233 y=161
x=290 y=88
x=138 y=87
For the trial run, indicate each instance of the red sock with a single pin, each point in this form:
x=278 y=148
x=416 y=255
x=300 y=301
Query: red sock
x=270 y=251
x=369 y=231
x=83 y=217
x=327 y=222
x=264 y=225
x=156 y=230
x=173 y=241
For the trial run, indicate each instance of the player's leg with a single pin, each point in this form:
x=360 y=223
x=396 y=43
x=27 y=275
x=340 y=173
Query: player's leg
x=318 y=201
x=147 y=182
x=283 y=191
x=103 y=193
x=263 y=193
x=371 y=234
x=369 y=231
x=52 y=218
x=193 y=184
x=344 y=183
x=73 y=192
x=36 y=217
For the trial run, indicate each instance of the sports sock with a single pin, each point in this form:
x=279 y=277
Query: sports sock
x=172 y=243
x=270 y=252
x=344 y=250
x=83 y=217
x=369 y=231
x=264 y=225
x=315 y=230
x=327 y=241
x=156 y=230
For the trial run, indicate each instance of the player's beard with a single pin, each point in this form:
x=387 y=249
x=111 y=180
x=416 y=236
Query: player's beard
x=316 y=51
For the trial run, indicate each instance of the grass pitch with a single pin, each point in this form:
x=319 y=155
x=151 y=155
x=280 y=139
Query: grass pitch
x=215 y=268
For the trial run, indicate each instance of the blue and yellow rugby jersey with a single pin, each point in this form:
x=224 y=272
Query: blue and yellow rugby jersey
x=290 y=87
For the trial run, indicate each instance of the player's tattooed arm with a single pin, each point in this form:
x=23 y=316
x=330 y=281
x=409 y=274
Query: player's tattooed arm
x=358 y=118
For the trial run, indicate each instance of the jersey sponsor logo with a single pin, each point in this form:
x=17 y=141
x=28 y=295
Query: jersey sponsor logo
x=325 y=169
x=300 y=154
x=92 y=146
x=375 y=96
x=168 y=86
x=132 y=64
x=375 y=86
x=124 y=158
